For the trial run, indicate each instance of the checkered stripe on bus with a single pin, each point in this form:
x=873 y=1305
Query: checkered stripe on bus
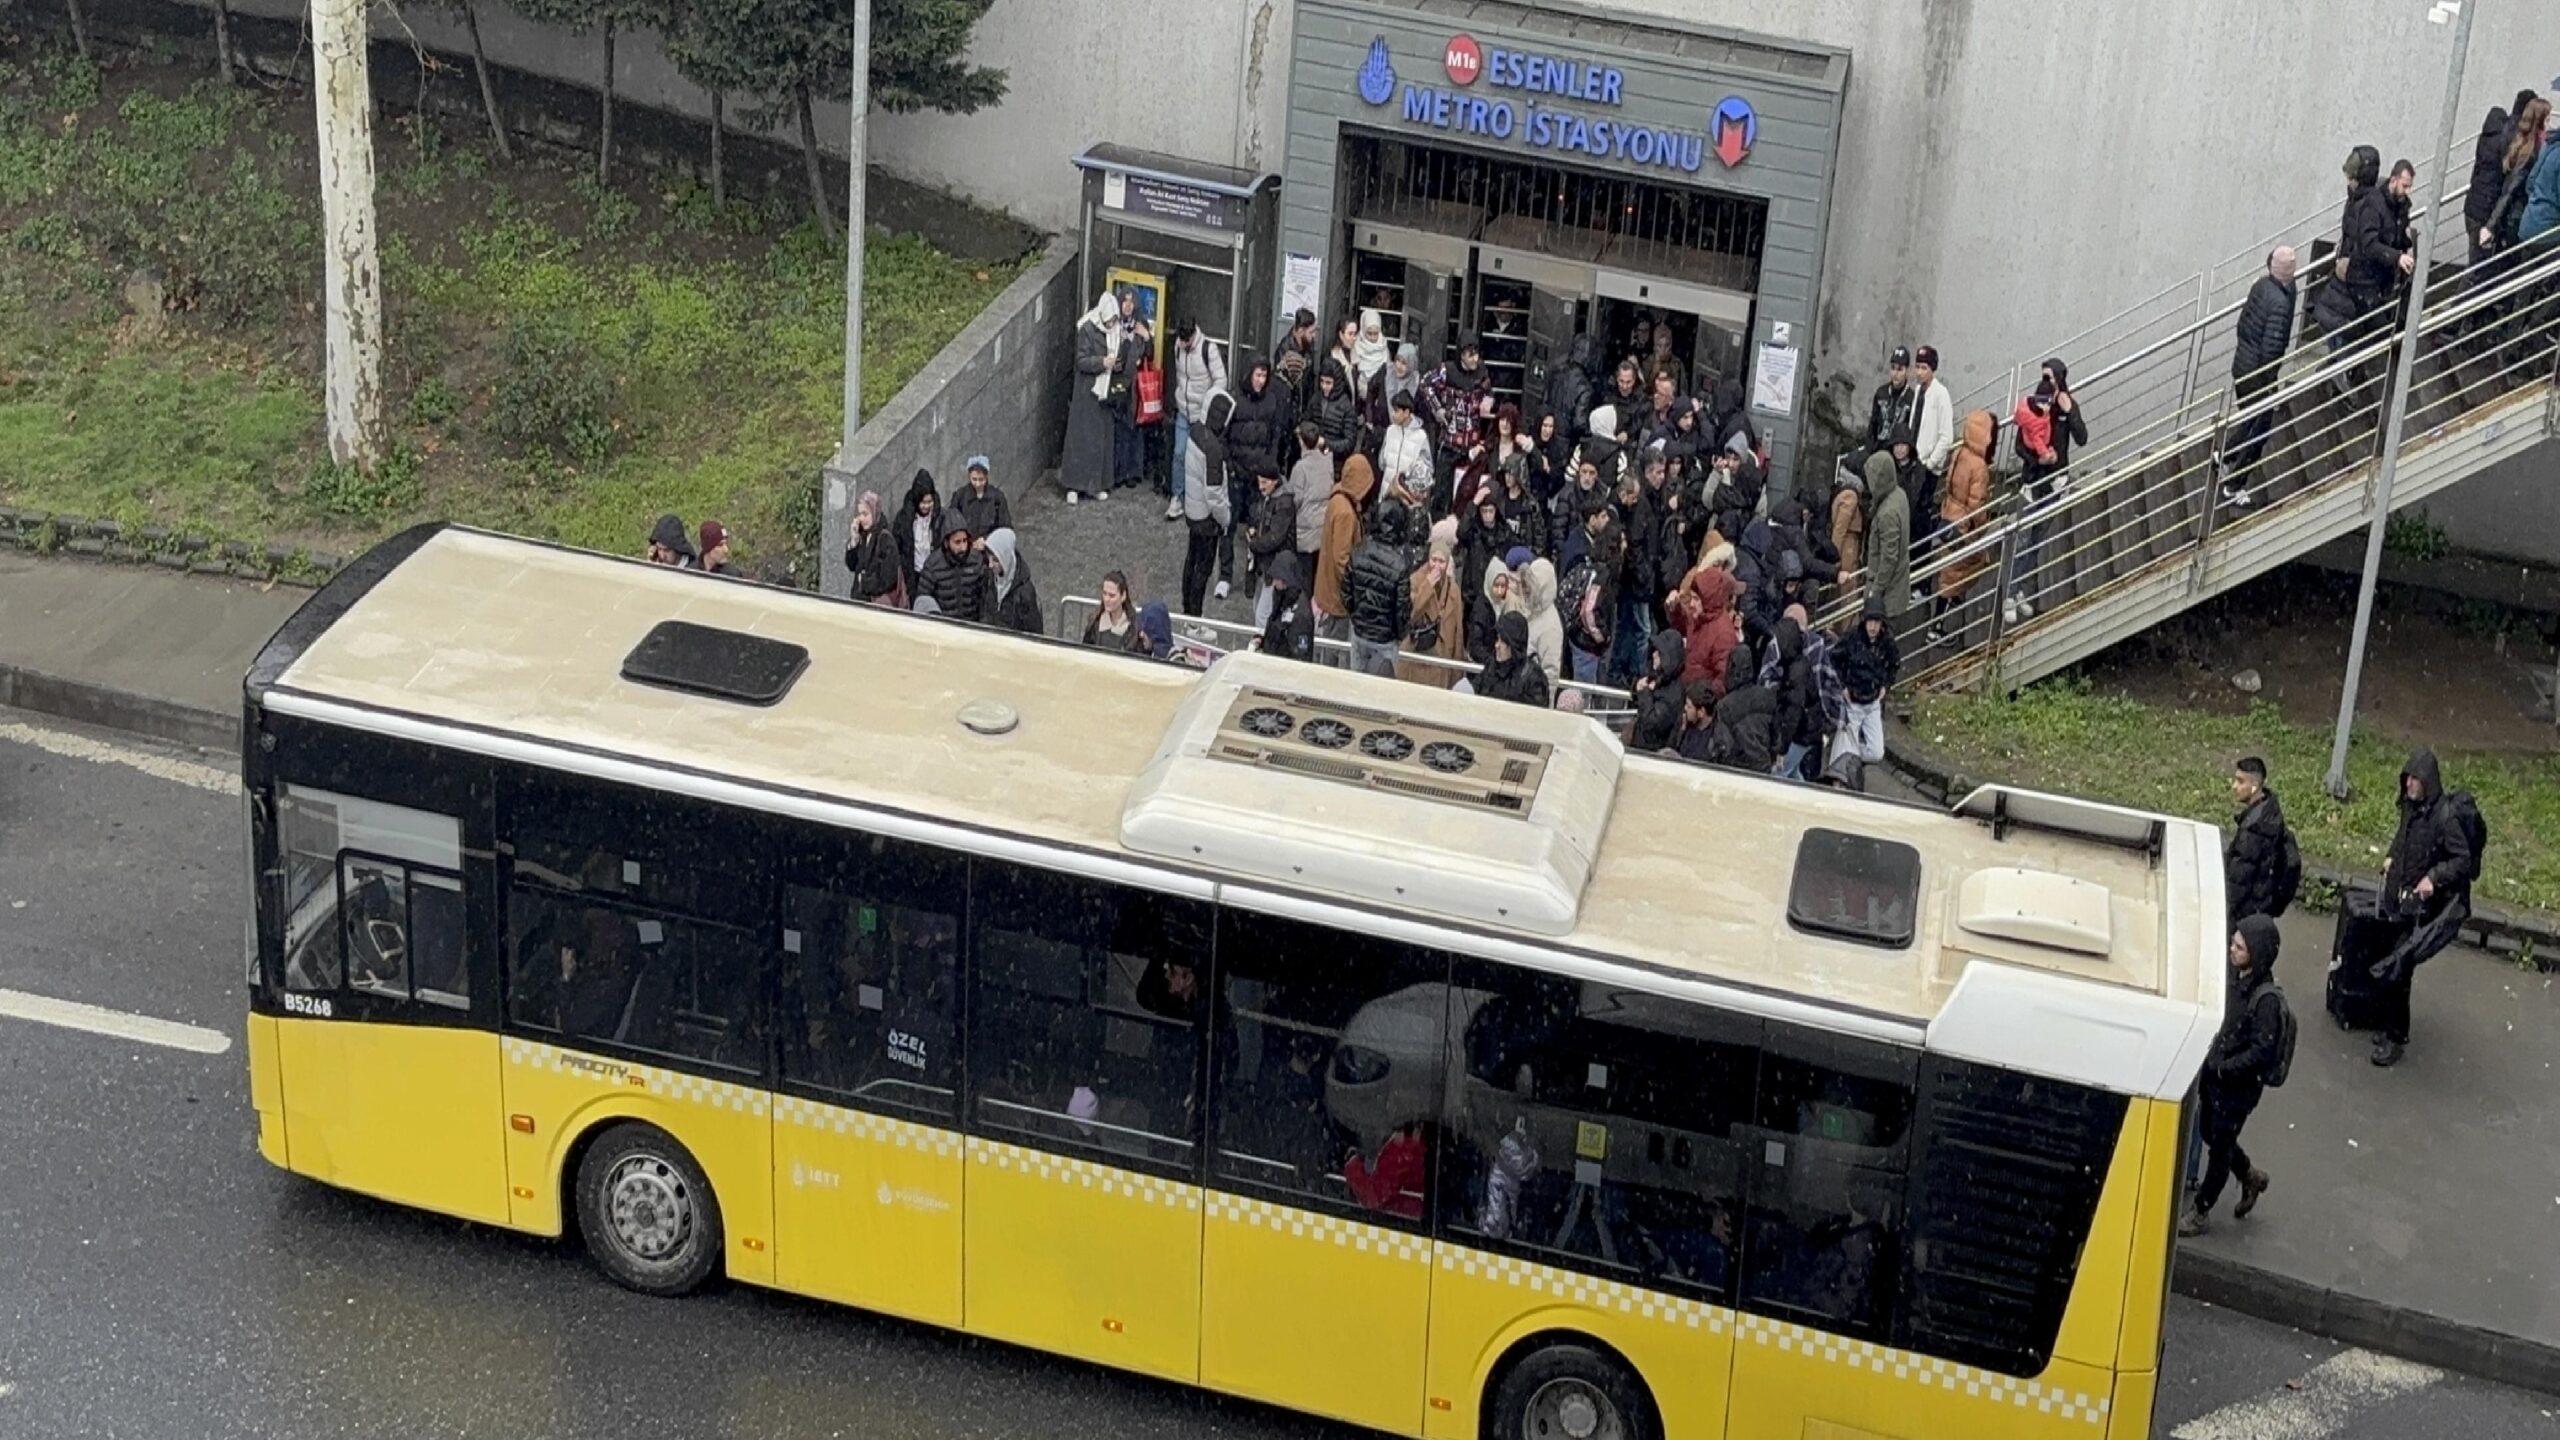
x=1062 y=1170
x=863 y=1125
x=1599 y=1294
x=1904 y=1366
x=665 y=1084
x=1320 y=1229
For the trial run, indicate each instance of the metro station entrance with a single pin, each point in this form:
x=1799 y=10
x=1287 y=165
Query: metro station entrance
x=1444 y=241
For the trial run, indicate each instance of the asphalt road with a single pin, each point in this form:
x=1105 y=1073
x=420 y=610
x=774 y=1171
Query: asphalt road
x=158 y=1279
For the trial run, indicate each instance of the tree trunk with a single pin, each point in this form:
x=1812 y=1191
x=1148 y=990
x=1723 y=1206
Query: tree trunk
x=226 y=61
x=604 y=145
x=817 y=171
x=343 y=92
x=719 y=172
x=488 y=92
x=80 y=28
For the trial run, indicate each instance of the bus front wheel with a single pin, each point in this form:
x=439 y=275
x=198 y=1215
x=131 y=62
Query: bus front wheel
x=1566 y=1391
x=647 y=1212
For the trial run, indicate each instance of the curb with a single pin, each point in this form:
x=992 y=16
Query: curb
x=2353 y=1320
x=105 y=705
x=2523 y=936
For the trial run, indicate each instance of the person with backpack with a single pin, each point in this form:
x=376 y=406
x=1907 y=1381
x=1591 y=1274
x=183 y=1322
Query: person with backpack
x=2261 y=864
x=2252 y=1053
x=2426 y=883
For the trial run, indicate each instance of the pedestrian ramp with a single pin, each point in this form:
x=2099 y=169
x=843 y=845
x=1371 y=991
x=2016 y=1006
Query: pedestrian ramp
x=2204 y=487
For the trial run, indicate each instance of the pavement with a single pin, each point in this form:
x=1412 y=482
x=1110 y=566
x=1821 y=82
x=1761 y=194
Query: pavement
x=2413 y=1211
x=158 y=1279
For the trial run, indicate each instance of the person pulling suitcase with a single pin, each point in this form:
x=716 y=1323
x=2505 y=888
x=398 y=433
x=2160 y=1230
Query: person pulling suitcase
x=2252 y=1053
x=2426 y=887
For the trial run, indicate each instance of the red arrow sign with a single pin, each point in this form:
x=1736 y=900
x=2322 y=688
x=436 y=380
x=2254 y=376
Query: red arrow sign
x=1731 y=144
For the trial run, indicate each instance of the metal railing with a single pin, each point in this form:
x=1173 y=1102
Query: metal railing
x=2209 y=467
x=1198 y=640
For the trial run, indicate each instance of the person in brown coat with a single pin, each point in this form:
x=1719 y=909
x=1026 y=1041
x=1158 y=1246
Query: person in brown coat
x=1849 y=521
x=1438 y=626
x=1964 y=504
x=1342 y=530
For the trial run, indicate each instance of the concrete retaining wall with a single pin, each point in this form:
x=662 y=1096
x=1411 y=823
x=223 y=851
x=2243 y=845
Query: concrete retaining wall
x=999 y=389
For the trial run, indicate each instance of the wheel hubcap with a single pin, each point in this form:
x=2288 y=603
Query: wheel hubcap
x=650 y=1207
x=1571 y=1410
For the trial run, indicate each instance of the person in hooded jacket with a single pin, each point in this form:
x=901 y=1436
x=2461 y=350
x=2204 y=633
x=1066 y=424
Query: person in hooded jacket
x=1546 y=625
x=871 y=555
x=669 y=545
x=1849 y=514
x=1746 y=729
x=1270 y=532
x=1514 y=674
x=1290 y=633
x=2426 y=883
x=1569 y=388
x=1156 y=623
x=918 y=530
x=2488 y=171
x=1017 y=601
x=1435 y=614
x=2253 y=858
x=1403 y=374
x=1309 y=487
x=1799 y=692
x=1889 y=527
x=1336 y=414
x=980 y=502
x=1345 y=522
x=1659 y=697
x=1205 y=504
x=1867 y=661
x=1405 y=452
x=1375 y=584
x=1709 y=627
x=1964 y=507
x=957 y=579
x=1497 y=593
x=2244 y=1052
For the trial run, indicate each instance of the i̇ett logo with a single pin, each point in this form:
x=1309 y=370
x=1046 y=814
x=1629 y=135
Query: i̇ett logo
x=1465 y=59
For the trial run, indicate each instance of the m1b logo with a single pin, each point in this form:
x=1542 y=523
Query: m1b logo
x=1464 y=58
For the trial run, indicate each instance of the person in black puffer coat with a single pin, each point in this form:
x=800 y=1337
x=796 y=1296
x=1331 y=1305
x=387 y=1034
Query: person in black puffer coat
x=1569 y=388
x=957 y=579
x=1746 y=729
x=1659 y=698
x=2488 y=171
x=1381 y=602
x=1800 y=719
x=1290 y=633
x=1336 y=414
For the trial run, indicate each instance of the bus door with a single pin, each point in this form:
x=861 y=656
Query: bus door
x=1088 y=1008
x=1316 y=1273
x=389 y=1087
x=867 y=1181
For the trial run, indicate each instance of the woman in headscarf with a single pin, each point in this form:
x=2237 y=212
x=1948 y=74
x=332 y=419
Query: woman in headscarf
x=1017 y=603
x=1128 y=442
x=1498 y=593
x=1550 y=460
x=1546 y=627
x=916 y=534
x=1438 y=626
x=1369 y=354
x=1101 y=383
x=1403 y=373
x=1514 y=675
x=871 y=555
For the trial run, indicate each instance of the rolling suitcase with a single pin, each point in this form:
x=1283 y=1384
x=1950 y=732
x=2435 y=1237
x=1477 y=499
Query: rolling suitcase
x=2364 y=936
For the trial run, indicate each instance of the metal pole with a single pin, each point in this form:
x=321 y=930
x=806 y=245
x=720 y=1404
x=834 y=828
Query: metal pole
x=2336 y=780
x=857 y=159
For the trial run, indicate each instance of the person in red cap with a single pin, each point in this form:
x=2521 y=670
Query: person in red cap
x=715 y=549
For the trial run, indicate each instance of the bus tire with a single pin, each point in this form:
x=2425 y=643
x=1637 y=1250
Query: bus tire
x=1569 y=1391
x=647 y=1212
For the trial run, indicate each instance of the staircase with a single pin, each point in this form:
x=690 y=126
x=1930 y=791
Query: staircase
x=2141 y=533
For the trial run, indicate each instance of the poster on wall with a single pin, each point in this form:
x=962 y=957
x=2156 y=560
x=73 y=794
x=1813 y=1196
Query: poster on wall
x=1150 y=292
x=1301 y=287
x=1773 y=380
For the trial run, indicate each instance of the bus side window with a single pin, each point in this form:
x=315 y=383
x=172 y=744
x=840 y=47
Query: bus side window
x=1833 y=1137
x=1087 y=1006
x=1597 y=1128
x=1330 y=1089
x=870 y=992
x=402 y=928
x=584 y=969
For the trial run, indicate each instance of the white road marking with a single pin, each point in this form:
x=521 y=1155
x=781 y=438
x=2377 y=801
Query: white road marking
x=72 y=1015
x=162 y=767
x=2335 y=1391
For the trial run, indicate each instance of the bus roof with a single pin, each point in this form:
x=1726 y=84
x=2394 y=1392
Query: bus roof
x=2031 y=906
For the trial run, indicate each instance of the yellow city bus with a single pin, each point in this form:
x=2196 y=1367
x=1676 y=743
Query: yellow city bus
x=1413 y=1059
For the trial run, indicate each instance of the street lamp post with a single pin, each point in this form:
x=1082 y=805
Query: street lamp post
x=2385 y=471
x=857 y=156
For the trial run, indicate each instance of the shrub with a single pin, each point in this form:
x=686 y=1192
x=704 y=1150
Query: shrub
x=555 y=393
x=346 y=491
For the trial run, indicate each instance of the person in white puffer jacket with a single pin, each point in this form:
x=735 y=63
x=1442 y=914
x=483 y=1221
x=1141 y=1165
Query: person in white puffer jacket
x=1198 y=371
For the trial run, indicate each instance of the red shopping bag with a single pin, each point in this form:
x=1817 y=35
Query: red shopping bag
x=1150 y=394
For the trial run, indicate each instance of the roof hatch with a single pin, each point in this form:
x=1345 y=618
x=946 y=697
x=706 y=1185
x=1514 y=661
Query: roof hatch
x=1379 y=790
x=723 y=664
